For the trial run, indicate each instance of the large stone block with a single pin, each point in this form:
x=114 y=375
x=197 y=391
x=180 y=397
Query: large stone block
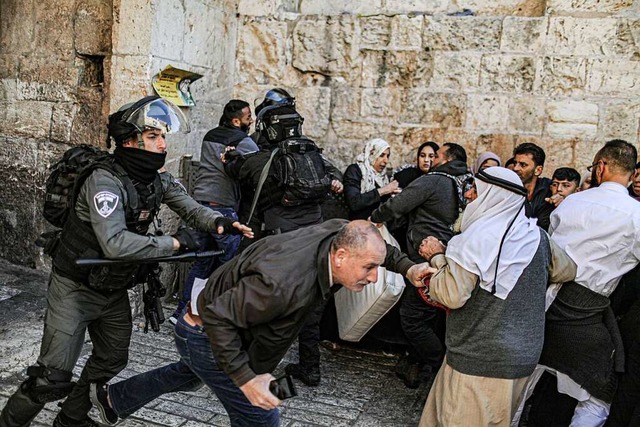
x=560 y=152
x=203 y=42
x=507 y=73
x=132 y=14
x=396 y=68
x=261 y=52
x=487 y=113
x=527 y=115
x=581 y=37
x=257 y=7
x=504 y=7
x=523 y=35
x=345 y=103
x=17 y=26
x=620 y=121
x=375 y=32
x=462 y=33
x=433 y=109
x=53 y=29
x=314 y=104
x=569 y=111
x=614 y=77
x=418 y=7
x=562 y=76
x=339 y=7
x=327 y=45
x=130 y=79
x=455 y=71
x=92 y=27
x=579 y=6
x=380 y=103
x=498 y=143
x=47 y=78
x=171 y=28
x=406 y=32
x=27 y=119
x=571 y=130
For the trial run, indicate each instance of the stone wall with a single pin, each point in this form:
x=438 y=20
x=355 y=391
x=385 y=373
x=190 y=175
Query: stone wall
x=564 y=74
x=52 y=95
x=64 y=67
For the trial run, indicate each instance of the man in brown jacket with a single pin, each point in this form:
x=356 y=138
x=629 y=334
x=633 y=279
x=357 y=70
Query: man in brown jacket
x=249 y=313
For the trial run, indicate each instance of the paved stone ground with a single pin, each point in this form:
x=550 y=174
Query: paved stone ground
x=358 y=387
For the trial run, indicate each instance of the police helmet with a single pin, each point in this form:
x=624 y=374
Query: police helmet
x=279 y=122
x=151 y=112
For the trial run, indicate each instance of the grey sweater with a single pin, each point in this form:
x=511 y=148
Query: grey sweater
x=491 y=337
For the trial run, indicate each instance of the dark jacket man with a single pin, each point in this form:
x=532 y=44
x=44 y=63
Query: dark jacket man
x=254 y=307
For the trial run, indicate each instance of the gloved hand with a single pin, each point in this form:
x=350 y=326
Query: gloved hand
x=188 y=240
x=227 y=225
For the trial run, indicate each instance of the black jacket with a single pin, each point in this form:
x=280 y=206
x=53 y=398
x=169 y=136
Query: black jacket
x=537 y=207
x=360 y=204
x=254 y=305
x=431 y=201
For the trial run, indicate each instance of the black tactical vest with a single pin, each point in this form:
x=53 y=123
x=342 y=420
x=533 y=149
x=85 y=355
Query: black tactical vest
x=78 y=240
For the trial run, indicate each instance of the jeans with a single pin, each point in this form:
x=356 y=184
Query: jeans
x=197 y=365
x=203 y=267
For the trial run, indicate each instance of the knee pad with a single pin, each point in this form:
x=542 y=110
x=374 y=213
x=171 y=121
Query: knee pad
x=58 y=384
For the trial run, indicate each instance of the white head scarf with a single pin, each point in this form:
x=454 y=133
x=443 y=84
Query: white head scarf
x=365 y=160
x=484 y=224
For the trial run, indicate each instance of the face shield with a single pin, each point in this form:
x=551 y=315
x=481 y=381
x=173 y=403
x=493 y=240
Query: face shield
x=158 y=114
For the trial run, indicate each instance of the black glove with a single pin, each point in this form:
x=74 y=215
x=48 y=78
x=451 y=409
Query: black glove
x=227 y=225
x=188 y=240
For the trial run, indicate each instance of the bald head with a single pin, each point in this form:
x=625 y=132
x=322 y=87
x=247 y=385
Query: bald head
x=356 y=253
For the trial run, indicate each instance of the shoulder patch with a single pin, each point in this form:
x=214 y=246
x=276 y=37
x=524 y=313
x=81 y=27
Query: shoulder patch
x=105 y=202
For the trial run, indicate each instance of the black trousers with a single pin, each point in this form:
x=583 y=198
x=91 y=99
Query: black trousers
x=423 y=325
x=309 y=340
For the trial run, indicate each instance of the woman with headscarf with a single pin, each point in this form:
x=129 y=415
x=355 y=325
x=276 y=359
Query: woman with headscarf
x=486 y=160
x=425 y=156
x=492 y=278
x=366 y=185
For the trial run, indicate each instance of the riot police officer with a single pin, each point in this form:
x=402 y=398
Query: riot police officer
x=112 y=212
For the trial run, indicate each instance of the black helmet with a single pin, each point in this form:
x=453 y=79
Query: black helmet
x=279 y=122
x=276 y=96
x=151 y=112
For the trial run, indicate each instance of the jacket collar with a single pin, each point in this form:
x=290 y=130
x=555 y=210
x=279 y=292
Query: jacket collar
x=323 y=266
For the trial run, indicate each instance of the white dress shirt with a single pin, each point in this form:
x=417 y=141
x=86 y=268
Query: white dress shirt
x=600 y=230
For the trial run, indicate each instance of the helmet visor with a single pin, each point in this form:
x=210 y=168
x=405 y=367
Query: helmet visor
x=159 y=114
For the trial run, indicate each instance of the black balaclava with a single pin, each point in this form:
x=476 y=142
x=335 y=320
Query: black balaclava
x=140 y=164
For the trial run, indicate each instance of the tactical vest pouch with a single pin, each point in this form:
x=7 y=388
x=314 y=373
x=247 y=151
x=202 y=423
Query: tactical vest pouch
x=114 y=277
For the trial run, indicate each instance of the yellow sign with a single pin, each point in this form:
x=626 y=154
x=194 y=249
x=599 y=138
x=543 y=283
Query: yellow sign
x=173 y=84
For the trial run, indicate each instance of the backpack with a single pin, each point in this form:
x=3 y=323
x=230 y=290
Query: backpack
x=300 y=171
x=463 y=183
x=63 y=180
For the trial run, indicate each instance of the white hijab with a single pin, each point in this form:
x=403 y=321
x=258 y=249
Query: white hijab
x=484 y=223
x=365 y=160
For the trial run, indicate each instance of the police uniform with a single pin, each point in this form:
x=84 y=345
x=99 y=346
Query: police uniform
x=76 y=304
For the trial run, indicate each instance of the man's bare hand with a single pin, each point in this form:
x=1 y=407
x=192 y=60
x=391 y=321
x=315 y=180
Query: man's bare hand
x=430 y=247
x=418 y=272
x=555 y=200
x=336 y=186
x=241 y=229
x=257 y=392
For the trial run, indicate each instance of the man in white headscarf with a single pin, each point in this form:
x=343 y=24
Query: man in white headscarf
x=493 y=278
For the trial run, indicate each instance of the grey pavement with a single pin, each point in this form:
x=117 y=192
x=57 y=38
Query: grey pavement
x=358 y=387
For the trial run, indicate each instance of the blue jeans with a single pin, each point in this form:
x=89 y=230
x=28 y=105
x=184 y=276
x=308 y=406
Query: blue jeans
x=203 y=267
x=196 y=366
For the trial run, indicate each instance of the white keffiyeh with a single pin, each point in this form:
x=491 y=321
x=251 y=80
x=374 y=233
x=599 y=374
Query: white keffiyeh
x=484 y=223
